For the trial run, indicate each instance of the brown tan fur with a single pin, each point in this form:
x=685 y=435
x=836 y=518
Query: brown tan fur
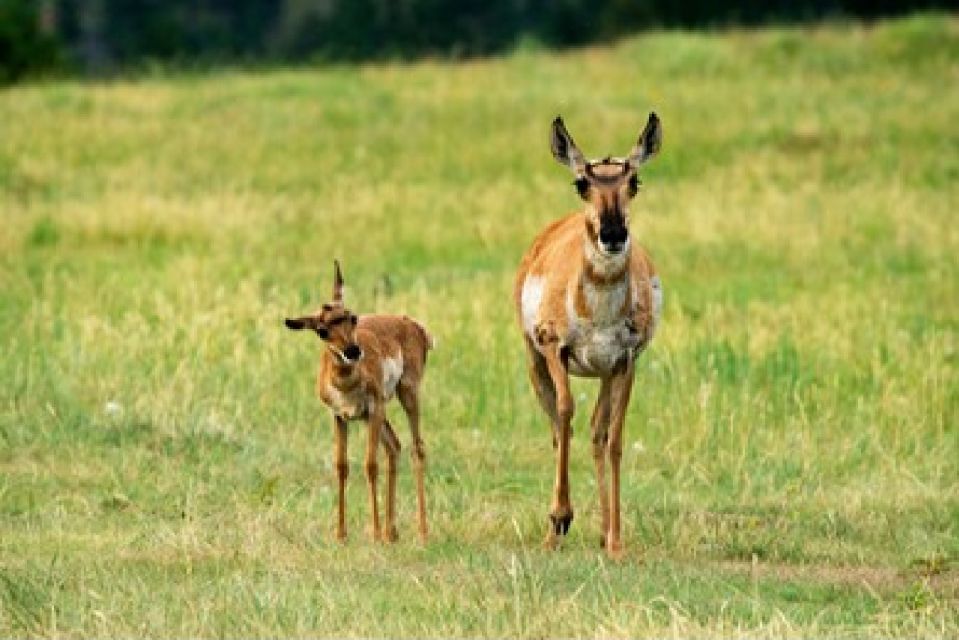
x=587 y=299
x=391 y=362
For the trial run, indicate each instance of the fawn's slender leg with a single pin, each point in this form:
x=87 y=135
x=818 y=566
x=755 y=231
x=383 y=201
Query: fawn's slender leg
x=621 y=387
x=342 y=471
x=392 y=446
x=543 y=386
x=375 y=425
x=599 y=427
x=410 y=401
x=561 y=511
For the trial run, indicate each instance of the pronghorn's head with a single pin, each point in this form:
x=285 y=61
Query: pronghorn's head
x=607 y=185
x=334 y=323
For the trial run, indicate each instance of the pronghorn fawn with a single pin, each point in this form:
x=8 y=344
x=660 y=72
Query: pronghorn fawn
x=365 y=362
x=588 y=299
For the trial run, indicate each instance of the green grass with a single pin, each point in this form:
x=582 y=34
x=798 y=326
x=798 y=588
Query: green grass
x=791 y=467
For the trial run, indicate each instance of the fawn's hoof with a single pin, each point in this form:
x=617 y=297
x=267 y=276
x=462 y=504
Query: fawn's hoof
x=561 y=520
x=614 y=549
x=390 y=534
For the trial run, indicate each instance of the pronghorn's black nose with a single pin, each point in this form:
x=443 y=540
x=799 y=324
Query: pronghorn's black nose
x=352 y=352
x=613 y=237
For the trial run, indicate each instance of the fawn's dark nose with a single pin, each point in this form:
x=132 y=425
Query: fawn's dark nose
x=352 y=352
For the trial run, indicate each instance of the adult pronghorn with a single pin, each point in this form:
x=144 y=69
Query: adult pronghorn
x=588 y=299
x=366 y=361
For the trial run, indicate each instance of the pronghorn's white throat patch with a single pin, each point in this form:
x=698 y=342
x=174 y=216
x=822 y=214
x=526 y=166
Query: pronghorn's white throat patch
x=604 y=262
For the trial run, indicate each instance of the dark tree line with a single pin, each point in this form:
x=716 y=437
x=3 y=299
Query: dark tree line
x=94 y=36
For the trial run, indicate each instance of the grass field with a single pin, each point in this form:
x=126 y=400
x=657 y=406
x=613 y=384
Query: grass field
x=792 y=457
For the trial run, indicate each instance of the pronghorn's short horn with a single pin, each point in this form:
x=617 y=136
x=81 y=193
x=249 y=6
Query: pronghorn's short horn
x=337 y=282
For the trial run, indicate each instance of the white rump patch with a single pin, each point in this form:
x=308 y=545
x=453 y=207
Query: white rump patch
x=530 y=301
x=392 y=371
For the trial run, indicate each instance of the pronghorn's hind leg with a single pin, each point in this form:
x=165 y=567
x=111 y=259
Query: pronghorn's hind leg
x=599 y=428
x=392 y=445
x=409 y=400
x=544 y=387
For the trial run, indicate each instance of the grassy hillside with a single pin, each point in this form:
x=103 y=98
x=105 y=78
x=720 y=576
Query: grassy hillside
x=792 y=464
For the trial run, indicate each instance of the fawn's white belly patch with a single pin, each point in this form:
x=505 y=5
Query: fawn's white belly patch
x=392 y=371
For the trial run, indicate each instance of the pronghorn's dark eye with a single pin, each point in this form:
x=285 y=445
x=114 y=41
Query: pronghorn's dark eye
x=582 y=186
x=353 y=319
x=336 y=321
x=633 y=186
x=322 y=332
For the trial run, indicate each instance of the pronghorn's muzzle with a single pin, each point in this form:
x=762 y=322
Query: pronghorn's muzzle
x=613 y=238
x=352 y=353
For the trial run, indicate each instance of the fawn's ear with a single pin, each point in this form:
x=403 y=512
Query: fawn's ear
x=649 y=142
x=564 y=149
x=337 y=282
x=296 y=324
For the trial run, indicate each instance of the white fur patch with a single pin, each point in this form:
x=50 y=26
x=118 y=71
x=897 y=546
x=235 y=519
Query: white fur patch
x=597 y=344
x=603 y=262
x=606 y=303
x=392 y=371
x=530 y=300
x=348 y=406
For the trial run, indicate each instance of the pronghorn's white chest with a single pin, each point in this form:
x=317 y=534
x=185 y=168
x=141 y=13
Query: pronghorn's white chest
x=351 y=404
x=357 y=403
x=599 y=341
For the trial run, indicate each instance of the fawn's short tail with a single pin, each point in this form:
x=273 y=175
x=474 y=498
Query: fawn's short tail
x=428 y=340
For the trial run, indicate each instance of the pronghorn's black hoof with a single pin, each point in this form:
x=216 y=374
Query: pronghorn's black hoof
x=561 y=522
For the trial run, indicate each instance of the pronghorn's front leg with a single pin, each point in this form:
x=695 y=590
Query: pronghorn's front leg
x=621 y=386
x=599 y=427
x=392 y=445
x=342 y=471
x=543 y=386
x=561 y=511
x=374 y=429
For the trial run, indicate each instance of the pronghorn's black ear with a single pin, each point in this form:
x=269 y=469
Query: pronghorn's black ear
x=564 y=149
x=296 y=324
x=337 y=282
x=649 y=142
